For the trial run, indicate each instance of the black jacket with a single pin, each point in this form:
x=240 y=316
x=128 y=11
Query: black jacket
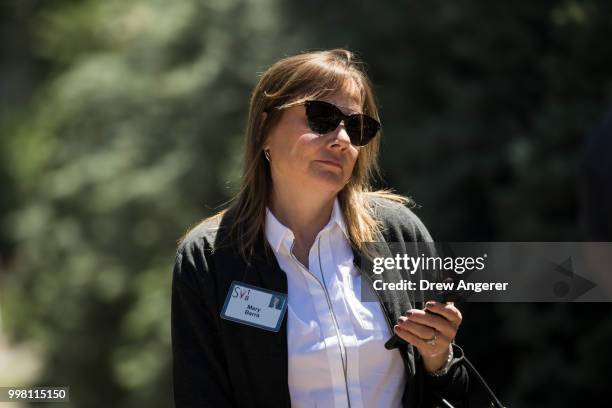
x=220 y=363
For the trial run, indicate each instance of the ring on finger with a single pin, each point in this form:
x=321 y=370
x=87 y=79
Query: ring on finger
x=432 y=341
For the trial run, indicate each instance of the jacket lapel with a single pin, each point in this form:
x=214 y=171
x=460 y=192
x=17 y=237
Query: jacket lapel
x=395 y=303
x=271 y=276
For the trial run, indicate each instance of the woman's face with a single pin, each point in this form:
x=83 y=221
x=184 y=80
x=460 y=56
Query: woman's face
x=303 y=159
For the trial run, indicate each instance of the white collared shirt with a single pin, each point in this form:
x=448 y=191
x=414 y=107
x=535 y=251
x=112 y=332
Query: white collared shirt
x=326 y=343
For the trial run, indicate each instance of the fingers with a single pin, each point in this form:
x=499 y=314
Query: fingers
x=417 y=329
x=447 y=310
x=434 y=321
x=440 y=344
x=445 y=318
x=412 y=339
x=439 y=320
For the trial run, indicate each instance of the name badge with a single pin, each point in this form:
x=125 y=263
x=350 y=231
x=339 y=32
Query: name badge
x=254 y=306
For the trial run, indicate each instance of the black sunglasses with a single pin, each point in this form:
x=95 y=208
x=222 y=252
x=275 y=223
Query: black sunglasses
x=323 y=117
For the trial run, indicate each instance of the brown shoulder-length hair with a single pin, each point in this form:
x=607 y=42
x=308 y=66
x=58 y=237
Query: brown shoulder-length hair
x=310 y=75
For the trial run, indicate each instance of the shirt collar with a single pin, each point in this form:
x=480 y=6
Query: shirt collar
x=276 y=232
x=338 y=218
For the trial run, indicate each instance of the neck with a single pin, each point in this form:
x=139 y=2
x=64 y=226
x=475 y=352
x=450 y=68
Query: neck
x=304 y=216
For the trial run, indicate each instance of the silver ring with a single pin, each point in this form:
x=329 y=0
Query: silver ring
x=432 y=341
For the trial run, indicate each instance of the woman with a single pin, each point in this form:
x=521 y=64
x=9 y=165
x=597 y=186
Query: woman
x=266 y=307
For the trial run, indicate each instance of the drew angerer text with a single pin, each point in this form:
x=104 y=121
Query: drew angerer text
x=424 y=284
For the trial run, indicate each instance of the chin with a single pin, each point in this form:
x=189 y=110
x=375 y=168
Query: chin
x=329 y=182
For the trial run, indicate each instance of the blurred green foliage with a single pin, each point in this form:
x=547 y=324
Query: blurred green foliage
x=121 y=125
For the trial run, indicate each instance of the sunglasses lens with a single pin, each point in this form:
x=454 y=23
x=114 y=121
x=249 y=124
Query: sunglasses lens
x=322 y=117
x=361 y=129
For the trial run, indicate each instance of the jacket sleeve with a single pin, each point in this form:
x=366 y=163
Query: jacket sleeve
x=199 y=371
x=453 y=386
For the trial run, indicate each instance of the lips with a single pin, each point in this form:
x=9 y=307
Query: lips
x=331 y=163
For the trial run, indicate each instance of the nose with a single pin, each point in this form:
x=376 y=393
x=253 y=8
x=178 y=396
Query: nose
x=341 y=138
